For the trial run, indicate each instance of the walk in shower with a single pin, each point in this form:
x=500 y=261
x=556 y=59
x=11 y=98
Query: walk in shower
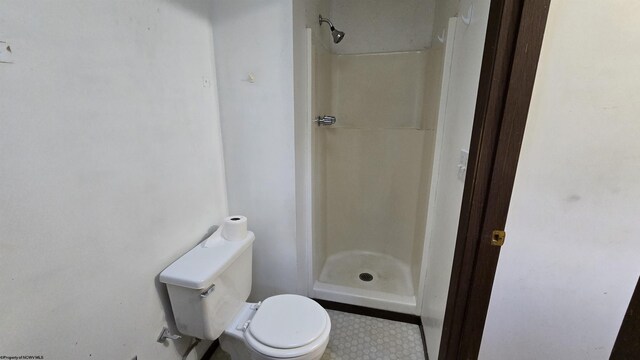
x=371 y=170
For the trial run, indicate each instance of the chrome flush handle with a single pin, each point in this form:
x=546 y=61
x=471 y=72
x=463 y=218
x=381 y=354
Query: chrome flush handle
x=208 y=292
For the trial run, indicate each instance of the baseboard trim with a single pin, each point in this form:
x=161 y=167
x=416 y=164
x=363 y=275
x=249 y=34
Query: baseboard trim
x=424 y=341
x=363 y=310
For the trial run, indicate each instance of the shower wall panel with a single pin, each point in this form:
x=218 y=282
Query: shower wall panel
x=382 y=25
x=379 y=90
x=374 y=155
x=434 y=68
x=372 y=184
x=321 y=104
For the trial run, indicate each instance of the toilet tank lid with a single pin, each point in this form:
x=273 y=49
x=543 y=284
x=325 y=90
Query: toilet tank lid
x=198 y=268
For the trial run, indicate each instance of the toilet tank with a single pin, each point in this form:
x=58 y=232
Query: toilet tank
x=208 y=285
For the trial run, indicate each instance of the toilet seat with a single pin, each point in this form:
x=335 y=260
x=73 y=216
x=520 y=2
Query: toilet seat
x=288 y=326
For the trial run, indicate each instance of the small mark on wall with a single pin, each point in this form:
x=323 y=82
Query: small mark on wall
x=573 y=198
x=6 y=54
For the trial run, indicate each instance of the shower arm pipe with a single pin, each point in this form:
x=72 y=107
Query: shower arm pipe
x=323 y=20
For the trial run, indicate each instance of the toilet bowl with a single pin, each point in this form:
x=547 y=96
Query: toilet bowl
x=281 y=327
x=208 y=288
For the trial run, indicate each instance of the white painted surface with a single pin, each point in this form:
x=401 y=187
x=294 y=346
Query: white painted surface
x=255 y=37
x=6 y=54
x=570 y=262
x=455 y=132
x=381 y=25
x=110 y=168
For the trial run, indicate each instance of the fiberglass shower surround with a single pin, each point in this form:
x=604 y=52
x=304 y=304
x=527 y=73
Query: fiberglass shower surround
x=371 y=176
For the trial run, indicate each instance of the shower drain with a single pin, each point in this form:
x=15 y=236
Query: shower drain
x=365 y=276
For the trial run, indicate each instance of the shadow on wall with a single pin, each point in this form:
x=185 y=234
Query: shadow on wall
x=205 y=11
x=202 y=10
x=195 y=7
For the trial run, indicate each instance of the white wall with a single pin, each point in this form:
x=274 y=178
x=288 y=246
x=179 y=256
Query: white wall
x=455 y=135
x=110 y=169
x=255 y=37
x=570 y=262
x=381 y=25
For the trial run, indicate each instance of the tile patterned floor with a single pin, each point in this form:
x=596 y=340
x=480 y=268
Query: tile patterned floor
x=358 y=337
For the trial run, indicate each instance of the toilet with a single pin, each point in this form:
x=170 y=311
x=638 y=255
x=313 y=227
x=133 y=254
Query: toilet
x=208 y=288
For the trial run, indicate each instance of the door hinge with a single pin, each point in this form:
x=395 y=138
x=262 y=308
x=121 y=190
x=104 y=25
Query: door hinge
x=497 y=237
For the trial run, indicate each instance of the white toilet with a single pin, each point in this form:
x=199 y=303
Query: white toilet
x=208 y=288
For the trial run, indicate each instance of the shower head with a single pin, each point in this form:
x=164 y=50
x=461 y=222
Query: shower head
x=335 y=33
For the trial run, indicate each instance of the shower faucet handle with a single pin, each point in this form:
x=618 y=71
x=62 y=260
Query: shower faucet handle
x=325 y=120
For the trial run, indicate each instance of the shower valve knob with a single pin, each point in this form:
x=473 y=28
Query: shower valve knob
x=325 y=120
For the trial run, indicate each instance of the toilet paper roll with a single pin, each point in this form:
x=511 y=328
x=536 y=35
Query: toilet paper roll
x=234 y=228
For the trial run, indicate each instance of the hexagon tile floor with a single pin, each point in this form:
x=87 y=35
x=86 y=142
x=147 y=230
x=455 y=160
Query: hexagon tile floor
x=358 y=337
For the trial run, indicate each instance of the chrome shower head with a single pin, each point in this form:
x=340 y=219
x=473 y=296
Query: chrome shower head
x=335 y=33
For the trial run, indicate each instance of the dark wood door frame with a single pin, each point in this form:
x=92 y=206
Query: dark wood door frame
x=627 y=345
x=511 y=52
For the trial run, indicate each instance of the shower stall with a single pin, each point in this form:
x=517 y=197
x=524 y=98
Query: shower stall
x=371 y=171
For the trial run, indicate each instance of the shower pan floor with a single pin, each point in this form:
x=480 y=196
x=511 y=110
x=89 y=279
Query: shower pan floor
x=367 y=279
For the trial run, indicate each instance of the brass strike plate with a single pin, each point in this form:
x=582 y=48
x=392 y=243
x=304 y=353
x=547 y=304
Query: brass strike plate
x=497 y=237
